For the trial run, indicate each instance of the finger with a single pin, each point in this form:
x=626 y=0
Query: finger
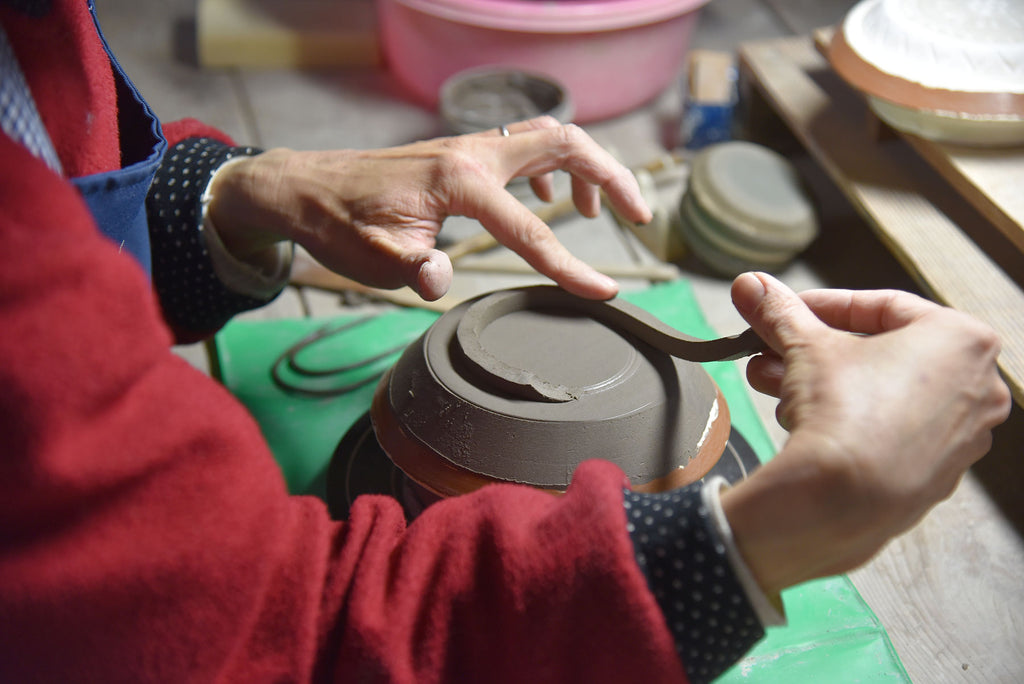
x=543 y=187
x=586 y=197
x=519 y=229
x=534 y=124
x=765 y=373
x=867 y=311
x=429 y=273
x=775 y=312
x=541 y=150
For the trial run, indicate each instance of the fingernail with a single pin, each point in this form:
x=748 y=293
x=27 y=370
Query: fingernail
x=433 y=280
x=758 y=277
x=605 y=283
x=748 y=292
x=754 y=283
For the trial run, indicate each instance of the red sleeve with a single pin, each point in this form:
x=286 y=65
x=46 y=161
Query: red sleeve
x=145 y=531
x=176 y=131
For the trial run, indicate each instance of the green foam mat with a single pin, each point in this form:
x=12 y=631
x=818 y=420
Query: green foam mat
x=832 y=635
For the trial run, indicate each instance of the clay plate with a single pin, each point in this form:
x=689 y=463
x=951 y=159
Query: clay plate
x=944 y=70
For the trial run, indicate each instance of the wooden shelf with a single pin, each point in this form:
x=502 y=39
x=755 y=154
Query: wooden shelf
x=918 y=214
x=990 y=179
x=293 y=33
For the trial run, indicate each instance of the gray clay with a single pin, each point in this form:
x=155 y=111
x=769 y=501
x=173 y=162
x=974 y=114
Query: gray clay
x=630 y=403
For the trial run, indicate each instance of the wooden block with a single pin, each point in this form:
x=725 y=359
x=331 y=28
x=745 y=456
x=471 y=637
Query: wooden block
x=286 y=33
x=712 y=77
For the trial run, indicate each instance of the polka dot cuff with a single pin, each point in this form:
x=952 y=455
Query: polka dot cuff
x=689 y=572
x=193 y=297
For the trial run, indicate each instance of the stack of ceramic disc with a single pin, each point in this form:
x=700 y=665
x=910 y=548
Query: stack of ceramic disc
x=745 y=209
x=947 y=70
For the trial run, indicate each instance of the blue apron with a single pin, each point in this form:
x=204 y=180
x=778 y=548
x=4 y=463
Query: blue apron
x=117 y=199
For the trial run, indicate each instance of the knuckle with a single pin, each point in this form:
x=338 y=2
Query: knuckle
x=981 y=337
x=573 y=135
x=545 y=121
x=457 y=161
x=1003 y=401
x=536 y=234
x=988 y=340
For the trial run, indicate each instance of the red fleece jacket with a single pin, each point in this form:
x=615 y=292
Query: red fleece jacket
x=145 y=530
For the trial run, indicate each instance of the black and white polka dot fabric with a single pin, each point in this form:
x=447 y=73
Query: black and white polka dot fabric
x=192 y=296
x=689 y=572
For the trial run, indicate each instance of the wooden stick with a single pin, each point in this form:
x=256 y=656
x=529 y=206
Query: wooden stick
x=483 y=241
x=652 y=271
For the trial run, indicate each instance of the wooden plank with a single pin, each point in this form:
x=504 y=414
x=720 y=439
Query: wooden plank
x=990 y=179
x=948 y=592
x=296 y=33
x=880 y=179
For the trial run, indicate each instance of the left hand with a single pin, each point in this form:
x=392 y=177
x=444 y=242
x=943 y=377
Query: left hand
x=374 y=215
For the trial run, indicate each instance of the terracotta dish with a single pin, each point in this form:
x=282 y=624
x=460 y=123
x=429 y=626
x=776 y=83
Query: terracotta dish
x=947 y=70
x=455 y=414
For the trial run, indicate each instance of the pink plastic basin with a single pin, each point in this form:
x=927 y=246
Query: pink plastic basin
x=612 y=55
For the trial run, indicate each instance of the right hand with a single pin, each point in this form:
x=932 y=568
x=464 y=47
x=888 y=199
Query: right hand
x=882 y=424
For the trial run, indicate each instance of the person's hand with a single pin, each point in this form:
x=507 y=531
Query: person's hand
x=374 y=215
x=882 y=424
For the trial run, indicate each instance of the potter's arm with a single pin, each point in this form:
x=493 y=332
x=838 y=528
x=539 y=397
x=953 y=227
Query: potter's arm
x=711 y=603
x=202 y=284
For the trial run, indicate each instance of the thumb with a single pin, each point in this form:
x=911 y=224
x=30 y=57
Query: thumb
x=430 y=274
x=774 y=311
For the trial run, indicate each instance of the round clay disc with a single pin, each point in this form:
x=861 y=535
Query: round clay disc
x=708 y=241
x=755 y=195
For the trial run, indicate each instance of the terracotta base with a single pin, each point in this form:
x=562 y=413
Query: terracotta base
x=877 y=83
x=441 y=477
